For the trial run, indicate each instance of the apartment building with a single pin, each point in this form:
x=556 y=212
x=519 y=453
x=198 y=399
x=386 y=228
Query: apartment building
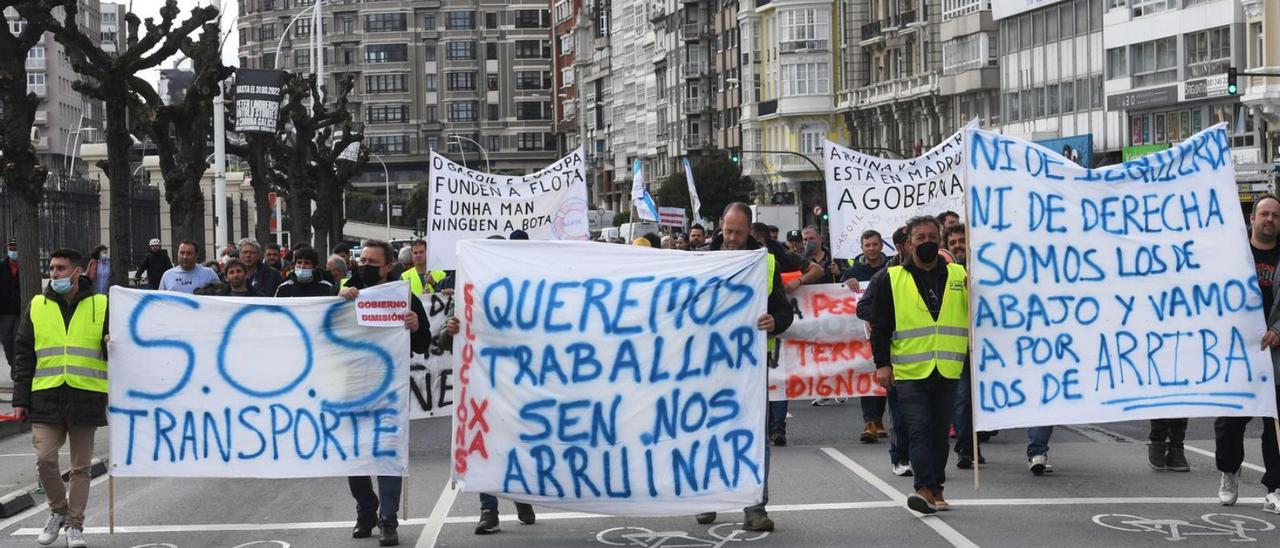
x=633 y=129
x=593 y=63
x=1262 y=52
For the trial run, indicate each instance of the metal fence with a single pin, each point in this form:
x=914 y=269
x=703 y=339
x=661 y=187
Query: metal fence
x=144 y=220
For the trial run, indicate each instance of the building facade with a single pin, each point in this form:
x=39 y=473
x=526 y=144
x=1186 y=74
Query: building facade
x=1262 y=53
x=469 y=78
x=633 y=129
x=593 y=65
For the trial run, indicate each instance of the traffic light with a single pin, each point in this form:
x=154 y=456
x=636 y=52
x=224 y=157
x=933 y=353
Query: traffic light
x=420 y=227
x=1232 y=88
x=737 y=160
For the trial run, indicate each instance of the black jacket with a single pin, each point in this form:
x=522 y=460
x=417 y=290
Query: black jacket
x=316 y=288
x=420 y=340
x=224 y=290
x=10 y=294
x=64 y=403
x=265 y=279
x=931 y=284
x=155 y=265
x=779 y=304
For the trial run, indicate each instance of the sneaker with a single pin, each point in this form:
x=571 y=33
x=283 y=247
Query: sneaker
x=756 y=520
x=75 y=538
x=364 y=526
x=902 y=470
x=1271 y=502
x=705 y=518
x=821 y=402
x=922 y=501
x=779 y=439
x=842 y=400
x=52 y=527
x=941 y=504
x=387 y=535
x=869 y=432
x=1176 y=460
x=1039 y=464
x=1156 y=458
x=1229 y=489
x=524 y=512
x=488 y=522
x=964 y=461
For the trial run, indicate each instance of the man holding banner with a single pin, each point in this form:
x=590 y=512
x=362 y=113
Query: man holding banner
x=735 y=235
x=380 y=509
x=919 y=340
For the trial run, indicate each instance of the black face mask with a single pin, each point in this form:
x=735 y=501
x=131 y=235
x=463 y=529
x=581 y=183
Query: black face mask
x=369 y=275
x=927 y=252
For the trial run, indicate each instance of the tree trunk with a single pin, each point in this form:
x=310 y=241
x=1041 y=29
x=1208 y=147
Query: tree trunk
x=186 y=208
x=118 y=144
x=261 y=187
x=26 y=228
x=23 y=176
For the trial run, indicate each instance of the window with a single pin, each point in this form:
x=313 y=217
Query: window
x=1148 y=7
x=429 y=54
x=429 y=113
x=347 y=24
x=1015 y=107
x=529 y=79
x=566 y=77
x=490 y=20
x=1051 y=100
x=811 y=138
x=563 y=11
x=1096 y=86
x=302 y=57
x=1082 y=16
x=1051 y=24
x=528 y=49
x=1082 y=94
x=1024 y=32
x=386 y=83
x=1154 y=62
x=533 y=110
x=492 y=82
x=1114 y=4
x=806 y=79
x=386 y=53
x=966 y=53
x=433 y=142
x=1067 y=16
x=494 y=113
x=1068 y=97
x=36 y=83
x=385 y=22
x=460 y=20
x=431 y=83
x=1115 y=63
x=429 y=22
x=566 y=44
x=462 y=111
x=388 y=144
x=267 y=31
x=805 y=29
x=533 y=19
x=1208 y=52
x=530 y=141
x=1037 y=27
x=494 y=143
x=460 y=50
x=386 y=114
x=460 y=81
x=491 y=51
x=303 y=28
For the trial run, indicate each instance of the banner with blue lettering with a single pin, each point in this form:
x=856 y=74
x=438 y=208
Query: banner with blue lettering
x=255 y=387
x=1119 y=293
x=610 y=379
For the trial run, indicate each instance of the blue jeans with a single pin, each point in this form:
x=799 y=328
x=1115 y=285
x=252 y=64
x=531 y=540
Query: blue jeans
x=899 y=437
x=488 y=502
x=778 y=417
x=926 y=406
x=872 y=408
x=962 y=418
x=1038 y=440
x=385 y=503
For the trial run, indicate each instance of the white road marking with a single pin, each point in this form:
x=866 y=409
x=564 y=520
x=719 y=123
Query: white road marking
x=42 y=507
x=942 y=528
x=435 y=522
x=1186 y=446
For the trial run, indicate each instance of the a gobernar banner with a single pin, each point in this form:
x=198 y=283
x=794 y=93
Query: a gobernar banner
x=589 y=387
x=466 y=204
x=825 y=353
x=868 y=192
x=255 y=387
x=1111 y=294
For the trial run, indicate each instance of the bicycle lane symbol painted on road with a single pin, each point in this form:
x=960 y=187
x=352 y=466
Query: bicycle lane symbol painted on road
x=1228 y=525
x=641 y=537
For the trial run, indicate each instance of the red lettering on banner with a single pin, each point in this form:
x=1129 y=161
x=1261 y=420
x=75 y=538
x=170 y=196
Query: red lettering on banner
x=821 y=303
x=822 y=352
x=478 y=417
x=477 y=446
x=846 y=384
x=469 y=412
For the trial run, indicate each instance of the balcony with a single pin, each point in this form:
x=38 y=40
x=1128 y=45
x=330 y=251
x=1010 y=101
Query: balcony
x=695 y=141
x=658 y=13
x=695 y=105
x=907 y=17
x=36 y=63
x=692 y=32
x=693 y=70
x=891 y=91
x=42 y=117
x=793 y=163
x=871 y=31
x=39 y=89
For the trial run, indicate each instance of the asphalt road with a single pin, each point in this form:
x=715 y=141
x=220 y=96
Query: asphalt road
x=826 y=490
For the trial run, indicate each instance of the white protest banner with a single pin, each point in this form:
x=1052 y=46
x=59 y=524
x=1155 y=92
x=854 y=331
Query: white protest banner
x=588 y=387
x=671 y=216
x=471 y=205
x=254 y=387
x=431 y=374
x=825 y=353
x=383 y=305
x=1111 y=294
x=867 y=192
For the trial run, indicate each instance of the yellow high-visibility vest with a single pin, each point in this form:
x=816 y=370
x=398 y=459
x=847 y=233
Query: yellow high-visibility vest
x=415 y=281
x=921 y=344
x=773 y=266
x=69 y=353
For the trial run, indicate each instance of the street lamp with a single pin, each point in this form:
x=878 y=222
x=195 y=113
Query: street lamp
x=386 y=178
x=487 y=166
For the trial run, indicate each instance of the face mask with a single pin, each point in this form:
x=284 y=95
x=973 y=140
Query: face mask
x=13 y=255
x=61 y=285
x=304 y=274
x=927 y=252
x=810 y=248
x=104 y=257
x=370 y=275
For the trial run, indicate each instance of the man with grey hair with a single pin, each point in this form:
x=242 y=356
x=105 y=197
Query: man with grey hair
x=337 y=267
x=261 y=277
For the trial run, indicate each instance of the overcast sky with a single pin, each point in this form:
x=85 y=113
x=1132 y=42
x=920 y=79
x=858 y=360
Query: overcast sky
x=151 y=8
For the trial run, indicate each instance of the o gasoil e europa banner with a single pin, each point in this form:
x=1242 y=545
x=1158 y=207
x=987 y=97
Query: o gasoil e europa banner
x=465 y=204
x=255 y=387
x=588 y=386
x=1120 y=293
x=869 y=192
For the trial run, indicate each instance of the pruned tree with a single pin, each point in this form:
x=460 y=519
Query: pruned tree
x=113 y=79
x=24 y=177
x=332 y=173
x=182 y=133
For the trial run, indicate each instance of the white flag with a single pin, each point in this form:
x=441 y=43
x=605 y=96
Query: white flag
x=645 y=208
x=693 y=191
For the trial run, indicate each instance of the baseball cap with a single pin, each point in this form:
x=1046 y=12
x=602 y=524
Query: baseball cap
x=518 y=235
x=793 y=235
x=154 y=241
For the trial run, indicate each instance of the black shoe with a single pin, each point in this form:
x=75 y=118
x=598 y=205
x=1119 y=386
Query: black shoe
x=1156 y=455
x=388 y=535
x=488 y=522
x=981 y=459
x=1176 y=460
x=364 y=527
x=524 y=512
x=706 y=518
x=779 y=439
x=756 y=520
x=964 y=462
